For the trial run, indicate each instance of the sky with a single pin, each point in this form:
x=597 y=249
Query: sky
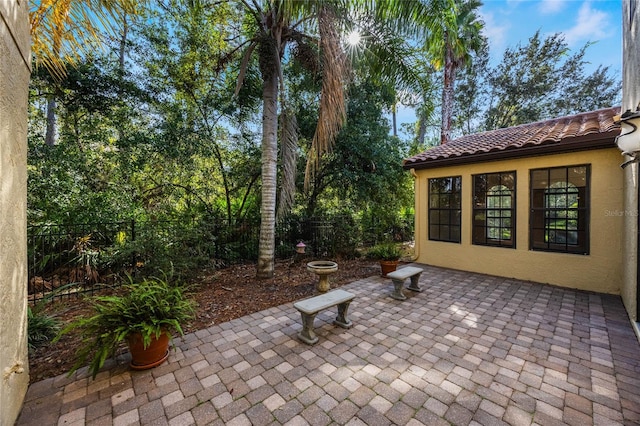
x=509 y=22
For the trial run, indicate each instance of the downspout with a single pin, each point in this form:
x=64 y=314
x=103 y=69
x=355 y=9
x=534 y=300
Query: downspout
x=416 y=251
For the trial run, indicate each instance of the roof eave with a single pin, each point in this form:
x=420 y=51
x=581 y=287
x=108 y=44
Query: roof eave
x=580 y=143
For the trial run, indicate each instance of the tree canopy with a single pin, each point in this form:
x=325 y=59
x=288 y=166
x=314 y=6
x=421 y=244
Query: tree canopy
x=222 y=111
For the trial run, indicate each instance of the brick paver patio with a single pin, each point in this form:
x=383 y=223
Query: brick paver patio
x=469 y=350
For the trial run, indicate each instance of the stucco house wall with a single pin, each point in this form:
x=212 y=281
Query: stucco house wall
x=14 y=84
x=600 y=270
x=630 y=100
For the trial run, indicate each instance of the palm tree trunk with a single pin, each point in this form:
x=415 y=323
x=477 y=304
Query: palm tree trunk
x=50 y=136
x=266 y=247
x=394 y=118
x=422 y=129
x=447 y=97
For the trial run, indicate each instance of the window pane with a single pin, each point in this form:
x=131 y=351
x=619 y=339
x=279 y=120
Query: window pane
x=455 y=233
x=455 y=217
x=480 y=184
x=456 y=200
x=558 y=175
x=539 y=179
x=434 y=232
x=457 y=184
x=434 y=217
x=493 y=180
x=444 y=232
x=577 y=176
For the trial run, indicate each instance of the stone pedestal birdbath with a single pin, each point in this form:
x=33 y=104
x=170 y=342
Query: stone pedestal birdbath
x=322 y=268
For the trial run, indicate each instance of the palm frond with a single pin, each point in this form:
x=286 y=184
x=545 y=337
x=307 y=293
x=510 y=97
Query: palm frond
x=332 y=112
x=412 y=18
x=243 y=66
x=63 y=30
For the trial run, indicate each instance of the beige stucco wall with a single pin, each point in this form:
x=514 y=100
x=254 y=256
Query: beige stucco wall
x=14 y=83
x=599 y=271
x=630 y=99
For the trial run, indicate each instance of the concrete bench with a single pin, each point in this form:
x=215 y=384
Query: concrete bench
x=398 y=277
x=310 y=307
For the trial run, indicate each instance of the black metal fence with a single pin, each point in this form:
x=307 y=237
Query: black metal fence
x=65 y=260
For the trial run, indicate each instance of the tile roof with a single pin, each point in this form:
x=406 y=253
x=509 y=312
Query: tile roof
x=588 y=130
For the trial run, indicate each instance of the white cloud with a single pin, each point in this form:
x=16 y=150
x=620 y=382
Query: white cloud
x=548 y=7
x=497 y=34
x=591 y=25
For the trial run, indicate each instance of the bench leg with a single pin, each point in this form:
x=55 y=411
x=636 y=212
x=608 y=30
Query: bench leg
x=414 y=283
x=342 y=320
x=307 y=334
x=397 y=290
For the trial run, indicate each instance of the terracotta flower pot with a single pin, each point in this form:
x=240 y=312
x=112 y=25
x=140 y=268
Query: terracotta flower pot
x=153 y=355
x=388 y=266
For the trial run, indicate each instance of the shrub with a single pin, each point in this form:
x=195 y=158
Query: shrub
x=385 y=251
x=41 y=328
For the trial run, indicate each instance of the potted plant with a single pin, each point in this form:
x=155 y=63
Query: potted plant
x=144 y=316
x=388 y=254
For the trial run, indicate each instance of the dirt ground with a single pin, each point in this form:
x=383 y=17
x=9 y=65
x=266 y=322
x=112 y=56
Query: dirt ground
x=221 y=296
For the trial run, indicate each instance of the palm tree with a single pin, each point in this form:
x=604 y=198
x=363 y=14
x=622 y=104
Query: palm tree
x=276 y=25
x=453 y=41
x=311 y=28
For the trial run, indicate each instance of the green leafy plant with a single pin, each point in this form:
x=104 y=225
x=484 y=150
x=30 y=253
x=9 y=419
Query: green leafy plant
x=42 y=328
x=152 y=307
x=385 y=251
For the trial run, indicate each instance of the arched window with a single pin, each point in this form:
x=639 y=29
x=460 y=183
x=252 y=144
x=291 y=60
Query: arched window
x=560 y=209
x=494 y=209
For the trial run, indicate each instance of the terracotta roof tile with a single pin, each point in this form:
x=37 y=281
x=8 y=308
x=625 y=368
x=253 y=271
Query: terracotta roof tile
x=587 y=127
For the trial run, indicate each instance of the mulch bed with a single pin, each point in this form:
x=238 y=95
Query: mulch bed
x=221 y=296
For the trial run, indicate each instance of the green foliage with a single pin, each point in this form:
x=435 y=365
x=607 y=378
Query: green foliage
x=384 y=251
x=168 y=141
x=151 y=307
x=364 y=170
x=183 y=247
x=42 y=328
x=539 y=80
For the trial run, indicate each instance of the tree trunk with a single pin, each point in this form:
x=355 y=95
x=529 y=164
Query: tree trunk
x=50 y=136
x=394 y=119
x=447 y=97
x=269 y=176
x=422 y=129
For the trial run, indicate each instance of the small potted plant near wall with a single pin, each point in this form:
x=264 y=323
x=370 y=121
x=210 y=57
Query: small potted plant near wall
x=388 y=254
x=145 y=316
